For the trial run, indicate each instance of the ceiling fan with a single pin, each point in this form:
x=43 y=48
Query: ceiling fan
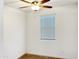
x=36 y=5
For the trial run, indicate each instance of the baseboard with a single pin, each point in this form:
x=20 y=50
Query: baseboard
x=34 y=55
x=22 y=54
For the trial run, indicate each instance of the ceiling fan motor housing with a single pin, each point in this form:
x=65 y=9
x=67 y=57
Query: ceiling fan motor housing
x=35 y=2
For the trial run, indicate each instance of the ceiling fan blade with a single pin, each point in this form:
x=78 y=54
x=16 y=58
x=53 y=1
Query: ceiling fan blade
x=47 y=6
x=44 y=1
x=26 y=1
x=24 y=7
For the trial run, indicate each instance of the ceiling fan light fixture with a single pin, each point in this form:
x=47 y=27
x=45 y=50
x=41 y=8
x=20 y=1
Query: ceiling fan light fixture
x=35 y=8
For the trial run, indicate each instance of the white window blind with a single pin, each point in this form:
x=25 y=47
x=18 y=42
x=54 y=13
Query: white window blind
x=48 y=27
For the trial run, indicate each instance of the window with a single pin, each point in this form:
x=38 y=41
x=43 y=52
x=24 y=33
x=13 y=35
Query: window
x=47 y=27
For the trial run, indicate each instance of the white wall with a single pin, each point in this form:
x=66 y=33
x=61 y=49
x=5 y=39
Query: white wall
x=2 y=53
x=65 y=44
x=14 y=32
x=67 y=28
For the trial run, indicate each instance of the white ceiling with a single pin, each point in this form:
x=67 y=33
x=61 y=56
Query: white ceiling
x=18 y=3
